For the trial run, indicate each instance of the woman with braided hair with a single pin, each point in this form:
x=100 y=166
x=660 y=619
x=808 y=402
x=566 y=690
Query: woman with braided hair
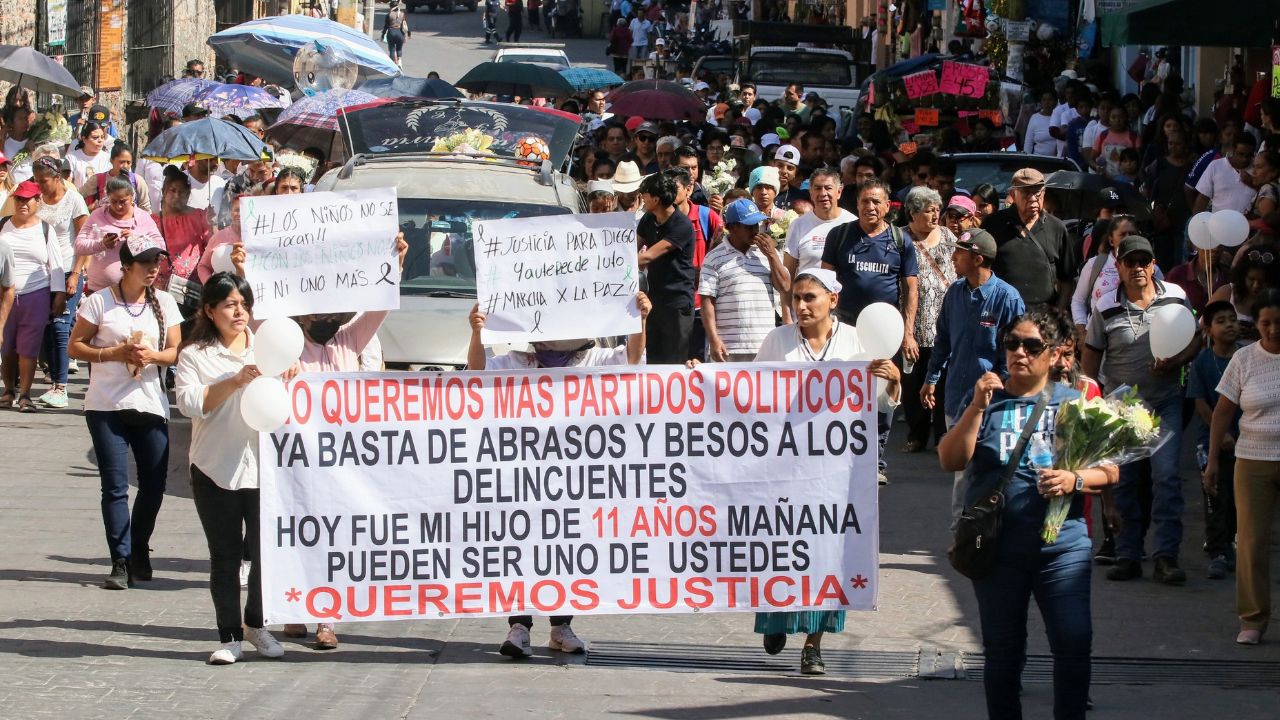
x=129 y=331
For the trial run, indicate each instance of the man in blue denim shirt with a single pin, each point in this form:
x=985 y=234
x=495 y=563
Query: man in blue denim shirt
x=975 y=310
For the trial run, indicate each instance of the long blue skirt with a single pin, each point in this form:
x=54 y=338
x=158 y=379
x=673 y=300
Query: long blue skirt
x=790 y=623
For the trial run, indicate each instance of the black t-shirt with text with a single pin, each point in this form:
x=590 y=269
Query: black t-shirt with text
x=670 y=276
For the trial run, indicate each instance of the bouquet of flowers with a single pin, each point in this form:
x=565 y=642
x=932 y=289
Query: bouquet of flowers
x=723 y=177
x=1117 y=429
x=49 y=127
x=467 y=142
x=777 y=229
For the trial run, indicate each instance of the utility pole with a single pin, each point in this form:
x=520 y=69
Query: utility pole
x=368 y=18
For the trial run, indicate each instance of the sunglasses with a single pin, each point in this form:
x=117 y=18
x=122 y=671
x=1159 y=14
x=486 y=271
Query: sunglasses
x=1033 y=346
x=1261 y=256
x=646 y=138
x=1137 y=260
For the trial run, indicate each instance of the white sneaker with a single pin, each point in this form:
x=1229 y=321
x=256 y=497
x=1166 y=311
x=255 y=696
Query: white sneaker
x=517 y=643
x=564 y=640
x=73 y=367
x=227 y=654
x=245 y=566
x=262 y=641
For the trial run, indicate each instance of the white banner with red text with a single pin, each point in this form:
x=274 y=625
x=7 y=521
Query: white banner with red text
x=582 y=491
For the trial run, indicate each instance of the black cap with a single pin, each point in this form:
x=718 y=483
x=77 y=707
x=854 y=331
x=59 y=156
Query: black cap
x=194 y=109
x=99 y=114
x=977 y=241
x=1134 y=244
x=1110 y=198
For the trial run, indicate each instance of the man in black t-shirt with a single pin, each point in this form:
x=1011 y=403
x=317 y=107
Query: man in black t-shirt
x=1036 y=255
x=666 y=255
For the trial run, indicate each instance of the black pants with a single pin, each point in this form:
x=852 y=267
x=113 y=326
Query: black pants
x=697 y=338
x=922 y=422
x=515 y=25
x=668 y=332
x=1220 y=509
x=527 y=620
x=230 y=521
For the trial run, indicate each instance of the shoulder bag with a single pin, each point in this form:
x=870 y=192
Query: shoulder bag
x=973 y=553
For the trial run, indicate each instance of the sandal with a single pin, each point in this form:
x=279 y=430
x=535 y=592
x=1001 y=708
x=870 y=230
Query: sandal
x=7 y=401
x=25 y=405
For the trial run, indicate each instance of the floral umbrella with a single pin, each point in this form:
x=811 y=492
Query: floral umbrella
x=239 y=100
x=313 y=121
x=175 y=94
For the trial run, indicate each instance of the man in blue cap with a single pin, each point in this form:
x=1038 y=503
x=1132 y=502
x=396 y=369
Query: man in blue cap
x=739 y=278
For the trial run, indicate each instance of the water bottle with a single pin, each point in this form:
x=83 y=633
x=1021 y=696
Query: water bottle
x=908 y=366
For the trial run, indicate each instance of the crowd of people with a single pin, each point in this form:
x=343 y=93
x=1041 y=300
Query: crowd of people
x=765 y=229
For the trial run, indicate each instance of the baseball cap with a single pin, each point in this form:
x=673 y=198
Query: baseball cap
x=141 y=248
x=962 y=204
x=1027 y=178
x=700 y=85
x=764 y=175
x=647 y=127
x=627 y=177
x=3 y=160
x=87 y=92
x=743 y=212
x=600 y=186
x=814 y=96
x=26 y=189
x=191 y=109
x=99 y=113
x=976 y=241
x=660 y=41
x=1135 y=244
x=1109 y=198
x=788 y=153
x=736 y=141
x=770 y=139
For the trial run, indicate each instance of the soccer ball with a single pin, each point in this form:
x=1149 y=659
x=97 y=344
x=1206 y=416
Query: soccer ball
x=531 y=151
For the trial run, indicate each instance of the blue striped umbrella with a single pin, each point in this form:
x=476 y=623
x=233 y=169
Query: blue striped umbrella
x=588 y=78
x=266 y=47
x=175 y=94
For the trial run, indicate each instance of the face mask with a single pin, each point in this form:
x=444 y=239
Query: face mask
x=560 y=353
x=322 y=331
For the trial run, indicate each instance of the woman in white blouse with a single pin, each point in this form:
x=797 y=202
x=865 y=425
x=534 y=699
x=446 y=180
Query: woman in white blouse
x=1038 y=140
x=215 y=365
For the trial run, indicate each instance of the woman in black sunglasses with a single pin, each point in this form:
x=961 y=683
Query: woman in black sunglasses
x=1058 y=575
x=1257 y=270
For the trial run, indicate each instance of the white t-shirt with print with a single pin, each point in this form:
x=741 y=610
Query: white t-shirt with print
x=808 y=235
x=111 y=385
x=62 y=218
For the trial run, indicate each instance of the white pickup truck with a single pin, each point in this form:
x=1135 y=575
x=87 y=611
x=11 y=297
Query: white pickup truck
x=777 y=55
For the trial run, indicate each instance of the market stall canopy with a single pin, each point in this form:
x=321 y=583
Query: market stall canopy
x=266 y=47
x=25 y=67
x=1240 y=23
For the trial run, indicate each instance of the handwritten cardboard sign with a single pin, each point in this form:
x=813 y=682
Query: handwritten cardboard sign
x=921 y=84
x=321 y=252
x=926 y=117
x=964 y=80
x=908 y=148
x=558 y=277
x=995 y=116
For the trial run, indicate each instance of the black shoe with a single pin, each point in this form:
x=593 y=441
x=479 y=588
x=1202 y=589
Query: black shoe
x=775 y=642
x=1217 y=567
x=1107 y=553
x=140 y=564
x=119 y=577
x=1125 y=569
x=811 y=662
x=1167 y=572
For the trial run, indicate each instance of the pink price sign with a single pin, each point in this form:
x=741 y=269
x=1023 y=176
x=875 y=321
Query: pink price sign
x=964 y=80
x=921 y=84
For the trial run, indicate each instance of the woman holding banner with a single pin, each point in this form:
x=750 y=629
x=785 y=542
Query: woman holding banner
x=816 y=336
x=990 y=431
x=215 y=364
x=553 y=354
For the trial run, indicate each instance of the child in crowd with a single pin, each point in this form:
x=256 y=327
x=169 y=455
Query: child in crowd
x=1223 y=330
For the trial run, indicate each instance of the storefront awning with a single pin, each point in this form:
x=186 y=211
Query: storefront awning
x=1192 y=23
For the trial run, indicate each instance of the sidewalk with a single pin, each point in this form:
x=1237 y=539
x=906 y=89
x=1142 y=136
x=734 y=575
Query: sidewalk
x=69 y=649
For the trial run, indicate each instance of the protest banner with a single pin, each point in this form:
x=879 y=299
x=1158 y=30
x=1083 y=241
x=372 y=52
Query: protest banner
x=557 y=277
x=321 y=252
x=964 y=80
x=927 y=117
x=573 y=491
x=921 y=84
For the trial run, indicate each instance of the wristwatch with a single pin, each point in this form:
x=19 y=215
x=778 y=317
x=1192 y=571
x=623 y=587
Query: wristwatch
x=1079 y=482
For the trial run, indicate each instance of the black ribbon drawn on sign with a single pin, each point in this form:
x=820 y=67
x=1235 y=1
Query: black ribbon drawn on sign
x=537 y=322
x=386 y=275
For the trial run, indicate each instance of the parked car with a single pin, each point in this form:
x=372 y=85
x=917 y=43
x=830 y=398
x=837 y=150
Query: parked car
x=441 y=195
x=545 y=54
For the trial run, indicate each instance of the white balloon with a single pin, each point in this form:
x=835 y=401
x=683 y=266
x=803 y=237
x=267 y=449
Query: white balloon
x=221 y=259
x=880 y=330
x=277 y=345
x=1229 y=228
x=1199 y=233
x=882 y=385
x=264 y=405
x=1172 y=329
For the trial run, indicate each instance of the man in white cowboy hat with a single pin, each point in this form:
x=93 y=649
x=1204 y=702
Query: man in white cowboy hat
x=626 y=186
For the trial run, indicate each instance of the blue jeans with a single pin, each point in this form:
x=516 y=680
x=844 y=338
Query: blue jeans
x=114 y=434
x=57 y=334
x=1166 y=491
x=1059 y=582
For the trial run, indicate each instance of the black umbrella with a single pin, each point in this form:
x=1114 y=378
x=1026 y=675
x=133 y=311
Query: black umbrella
x=515 y=78
x=25 y=67
x=1077 y=195
x=405 y=86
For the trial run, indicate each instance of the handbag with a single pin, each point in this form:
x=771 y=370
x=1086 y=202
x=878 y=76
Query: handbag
x=973 y=553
